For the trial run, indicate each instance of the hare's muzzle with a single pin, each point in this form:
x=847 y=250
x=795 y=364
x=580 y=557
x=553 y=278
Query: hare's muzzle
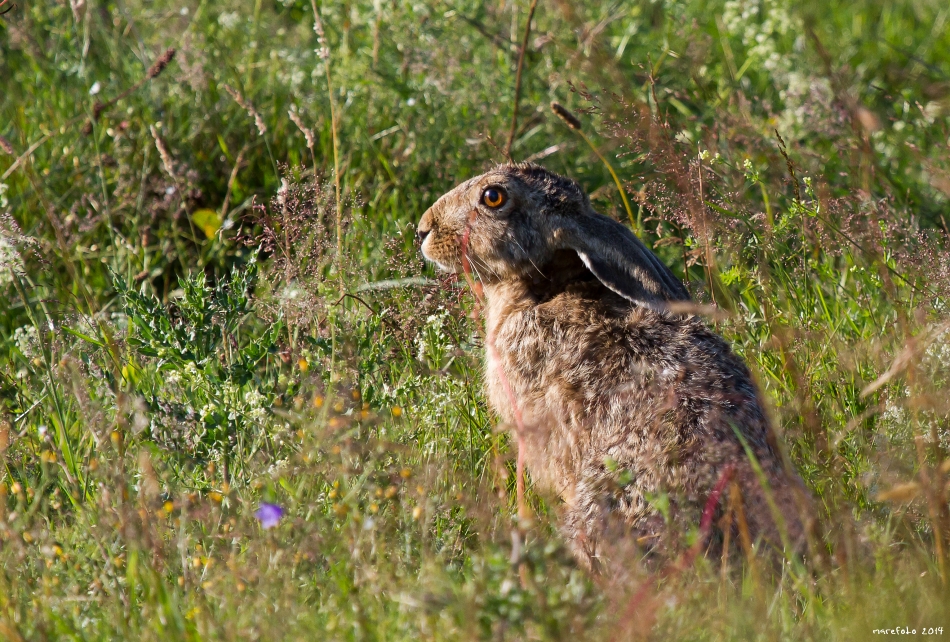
x=423 y=232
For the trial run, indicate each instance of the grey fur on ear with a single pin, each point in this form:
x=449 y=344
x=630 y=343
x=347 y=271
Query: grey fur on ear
x=620 y=260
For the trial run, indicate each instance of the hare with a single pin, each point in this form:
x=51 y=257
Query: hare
x=631 y=410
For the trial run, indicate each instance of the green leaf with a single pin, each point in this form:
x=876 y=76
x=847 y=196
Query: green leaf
x=208 y=220
x=84 y=337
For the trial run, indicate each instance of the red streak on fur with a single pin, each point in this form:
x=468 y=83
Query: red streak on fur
x=490 y=344
x=687 y=558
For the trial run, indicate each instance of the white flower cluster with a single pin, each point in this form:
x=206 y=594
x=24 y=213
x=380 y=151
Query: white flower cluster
x=254 y=402
x=27 y=341
x=432 y=342
x=939 y=351
x=11 y=263
x=229 y=19
x=760 y=23
x=291 y=72
x=763 y=25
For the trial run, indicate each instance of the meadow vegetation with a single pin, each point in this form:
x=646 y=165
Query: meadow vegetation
x=235 y=403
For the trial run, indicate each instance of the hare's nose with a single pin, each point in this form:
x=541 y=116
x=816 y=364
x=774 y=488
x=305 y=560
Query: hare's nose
x=425 y=226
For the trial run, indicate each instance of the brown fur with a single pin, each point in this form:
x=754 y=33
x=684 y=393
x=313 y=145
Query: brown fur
x=624 y=402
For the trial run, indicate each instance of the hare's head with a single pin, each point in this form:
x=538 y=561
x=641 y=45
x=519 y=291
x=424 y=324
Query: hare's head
x=510 y=222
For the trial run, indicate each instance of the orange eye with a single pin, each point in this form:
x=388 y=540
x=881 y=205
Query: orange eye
x=493 y=197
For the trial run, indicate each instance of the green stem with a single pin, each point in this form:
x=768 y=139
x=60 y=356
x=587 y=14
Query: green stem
x=623 y=194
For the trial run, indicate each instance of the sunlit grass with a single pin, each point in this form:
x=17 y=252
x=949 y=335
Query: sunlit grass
x=202 y=439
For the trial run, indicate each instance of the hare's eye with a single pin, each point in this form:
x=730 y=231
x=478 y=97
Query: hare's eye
x=493 y=197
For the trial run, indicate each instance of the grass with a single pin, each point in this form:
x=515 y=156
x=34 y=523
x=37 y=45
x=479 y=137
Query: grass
x=205 y=306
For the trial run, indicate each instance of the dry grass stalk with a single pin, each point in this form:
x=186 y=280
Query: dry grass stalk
x=521 y=55
x=248 y=107
x=307 y=134
x=574 y=123
x=324 y=53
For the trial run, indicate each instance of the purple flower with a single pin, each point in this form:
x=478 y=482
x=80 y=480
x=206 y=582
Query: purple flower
x=269 y=514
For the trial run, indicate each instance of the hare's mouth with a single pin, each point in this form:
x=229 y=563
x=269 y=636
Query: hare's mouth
x=442 y=266
x=428 y=256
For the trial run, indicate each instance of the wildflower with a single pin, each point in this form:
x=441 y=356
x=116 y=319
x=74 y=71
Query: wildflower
x=96 y=87
x=253 y=398
x=269 y=514
x=228 y=20
x=27 y=340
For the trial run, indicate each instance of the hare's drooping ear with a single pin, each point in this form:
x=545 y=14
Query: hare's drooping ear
x=620 y=260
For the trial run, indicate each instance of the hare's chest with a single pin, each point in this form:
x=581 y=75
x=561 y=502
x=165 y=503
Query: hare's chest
x=532 y=382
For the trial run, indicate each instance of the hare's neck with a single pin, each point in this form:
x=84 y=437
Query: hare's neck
x=516 y=389
x=504 y=298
